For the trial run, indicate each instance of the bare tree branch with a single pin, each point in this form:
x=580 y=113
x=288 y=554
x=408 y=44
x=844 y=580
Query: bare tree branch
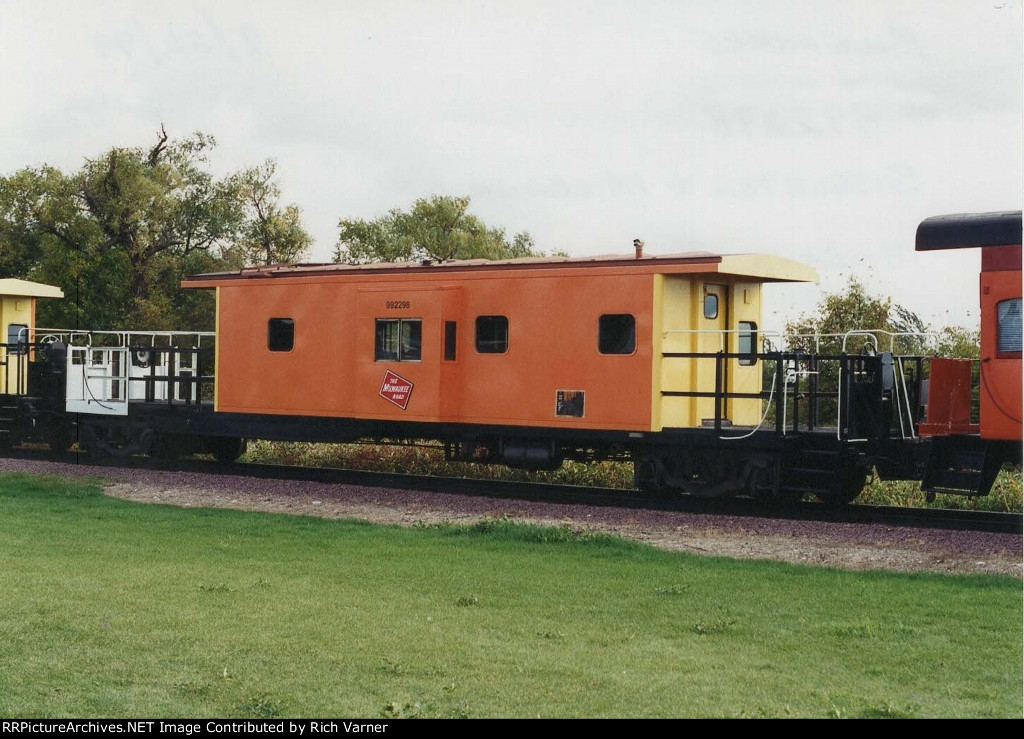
x=156 y=151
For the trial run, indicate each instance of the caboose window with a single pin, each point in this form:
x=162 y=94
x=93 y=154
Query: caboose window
x=280 y=334
x=710 y=306
x=492 y=334
x=747 y=343
x=1009 y=315
x=17 y=338
x=616 y=333
x=398 y=339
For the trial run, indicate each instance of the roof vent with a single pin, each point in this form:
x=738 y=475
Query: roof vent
x=639 y=246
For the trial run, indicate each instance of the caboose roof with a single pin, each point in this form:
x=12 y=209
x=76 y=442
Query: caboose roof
x=761 y=267
x=969 y=230
x=15 y=288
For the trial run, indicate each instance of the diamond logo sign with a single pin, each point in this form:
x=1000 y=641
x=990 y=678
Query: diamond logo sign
x=396 y=389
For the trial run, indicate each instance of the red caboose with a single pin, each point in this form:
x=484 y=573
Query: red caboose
x=959 y=445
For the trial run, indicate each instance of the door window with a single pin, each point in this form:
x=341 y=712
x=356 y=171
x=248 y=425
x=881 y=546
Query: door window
x=1008 y=313
x=398 y=339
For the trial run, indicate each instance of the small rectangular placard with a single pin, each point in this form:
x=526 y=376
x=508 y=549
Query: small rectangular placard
x=569 y=403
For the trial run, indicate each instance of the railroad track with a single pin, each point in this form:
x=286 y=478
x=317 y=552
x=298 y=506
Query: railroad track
x=933 y=518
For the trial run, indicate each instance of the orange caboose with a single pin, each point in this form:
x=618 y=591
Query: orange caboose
x=965 y=456
x=998 y=235
x=557 y=343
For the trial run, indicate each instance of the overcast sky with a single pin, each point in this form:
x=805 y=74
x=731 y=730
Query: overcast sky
x=823 y=130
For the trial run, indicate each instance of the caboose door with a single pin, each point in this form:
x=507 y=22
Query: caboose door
x=398 y=340
x=1001 y=346
x=712 y=321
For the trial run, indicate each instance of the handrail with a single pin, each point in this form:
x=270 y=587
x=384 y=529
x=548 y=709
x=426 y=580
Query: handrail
x=124 y=338
x=724 y=333
x=107 y=376
x=871 y=333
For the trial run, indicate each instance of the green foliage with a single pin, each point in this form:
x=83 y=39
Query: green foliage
x=854 y=309
x=435 y=228
x=958 y=342
x=429 y=460
x=119 y=234
x=270 y=234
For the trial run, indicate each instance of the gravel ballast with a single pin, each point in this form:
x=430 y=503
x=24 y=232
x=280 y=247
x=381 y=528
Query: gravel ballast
x=839 y=545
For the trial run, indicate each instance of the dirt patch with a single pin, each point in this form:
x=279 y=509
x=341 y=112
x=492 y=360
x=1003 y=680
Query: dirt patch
x=822 y=545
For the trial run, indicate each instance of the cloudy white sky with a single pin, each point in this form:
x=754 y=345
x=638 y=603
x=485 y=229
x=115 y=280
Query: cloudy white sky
x=823 y=130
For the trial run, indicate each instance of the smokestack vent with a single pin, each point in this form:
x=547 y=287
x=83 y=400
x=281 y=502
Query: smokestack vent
x=639 y=246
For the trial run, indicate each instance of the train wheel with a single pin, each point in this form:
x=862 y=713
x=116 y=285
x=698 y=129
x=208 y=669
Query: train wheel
x=763 y=485
x=789 y=498
x=648 y=478
x=850 y=481
x=225 y=448
x=169 y=447
x=107 y=442
x=60 y=434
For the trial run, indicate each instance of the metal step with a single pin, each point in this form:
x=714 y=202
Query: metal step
x=957 y=482
x=957 y=472
x=806 y=479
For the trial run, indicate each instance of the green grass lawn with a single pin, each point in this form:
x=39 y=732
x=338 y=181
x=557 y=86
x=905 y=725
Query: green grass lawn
x=119 y=609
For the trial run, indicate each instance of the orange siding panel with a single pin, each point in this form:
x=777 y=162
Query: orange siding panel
x=330 y=371
x=1000 y=372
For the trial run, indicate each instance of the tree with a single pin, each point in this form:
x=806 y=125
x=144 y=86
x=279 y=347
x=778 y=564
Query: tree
x=270 y=234
x=855 y=309
x=119 y=234
x=959 y=342
x=113 y=233
x=22 y=240
x=152 y=206
x=436 y=228
x=46 y=235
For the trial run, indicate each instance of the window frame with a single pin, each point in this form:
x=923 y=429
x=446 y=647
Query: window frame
x=490 y=345
x=600 y=334
x=714 y=297
x=274 y=335
x=1011 y=353
x=401 y=354
x=451 y=341
x=14 y=346
x=750 y=358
